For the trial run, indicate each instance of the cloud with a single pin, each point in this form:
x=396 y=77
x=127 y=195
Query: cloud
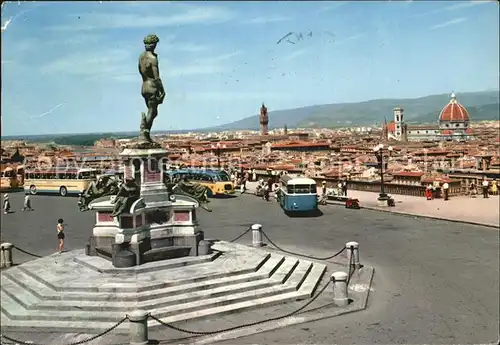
x=349 y=38
x=332 y=6
x=187 y=47
x=463 y=5
x=295 y=54
x=195 y=70
x=6 y=23
x=204 y=66
x=5 y=62
x=47 y=112
x=112 y=20
x=90 y=63
x=448 y=23
x=224 y=57
x=268 y=19
x=229 y=96
x=454 y=7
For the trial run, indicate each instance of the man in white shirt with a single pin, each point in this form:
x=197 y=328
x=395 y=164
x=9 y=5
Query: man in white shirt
x=445 y=190
x=27 y=203
x=485 y=188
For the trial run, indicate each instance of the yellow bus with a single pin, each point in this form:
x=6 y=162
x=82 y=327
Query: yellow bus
x=218 y=182
x=59 y=181
x=8 y=180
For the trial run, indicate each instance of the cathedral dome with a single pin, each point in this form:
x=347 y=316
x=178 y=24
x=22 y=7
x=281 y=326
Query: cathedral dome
x=454 y=112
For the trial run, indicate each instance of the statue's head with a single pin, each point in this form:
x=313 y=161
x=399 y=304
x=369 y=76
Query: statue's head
x=150 y=42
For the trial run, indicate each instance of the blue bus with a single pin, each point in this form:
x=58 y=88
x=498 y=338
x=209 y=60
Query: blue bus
x=218 y=182
x=298 y=194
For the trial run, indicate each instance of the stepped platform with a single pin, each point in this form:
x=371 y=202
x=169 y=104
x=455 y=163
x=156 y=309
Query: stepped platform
x=81 y=293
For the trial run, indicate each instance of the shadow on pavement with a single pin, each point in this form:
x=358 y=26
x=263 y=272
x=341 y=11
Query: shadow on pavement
x=304 y=214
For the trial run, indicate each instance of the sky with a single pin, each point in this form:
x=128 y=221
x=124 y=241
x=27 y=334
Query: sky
x=72 y=67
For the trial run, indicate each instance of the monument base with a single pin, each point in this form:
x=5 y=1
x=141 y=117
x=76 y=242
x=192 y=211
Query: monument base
x=383 y=200
x=146 y=250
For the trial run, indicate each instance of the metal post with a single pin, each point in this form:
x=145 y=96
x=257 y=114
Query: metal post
x=353 y=250
x=382 y=189
x=138 y=327
x=257 y=235
x=339 y=280
x=7 y=254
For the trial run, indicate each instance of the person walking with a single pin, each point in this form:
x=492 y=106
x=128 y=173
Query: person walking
x=6 y=204
x=428 y=192
x=60 y=235
x=323 y=189
x=485 y=188
x=472 y=190
x=445 y=190
x=344 y=187
x=27 y=203
x=243 y=186
x=494 y=187
x=267 y=192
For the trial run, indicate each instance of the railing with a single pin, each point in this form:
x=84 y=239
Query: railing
x=374 y=186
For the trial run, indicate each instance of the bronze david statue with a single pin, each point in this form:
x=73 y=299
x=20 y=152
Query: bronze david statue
x=152 y=87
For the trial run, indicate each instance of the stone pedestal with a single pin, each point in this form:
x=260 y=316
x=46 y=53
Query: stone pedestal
x=383 y=200
x=158 y=225
x=146 y=167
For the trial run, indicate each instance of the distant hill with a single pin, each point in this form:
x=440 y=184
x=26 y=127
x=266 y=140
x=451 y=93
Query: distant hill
x=482 y=105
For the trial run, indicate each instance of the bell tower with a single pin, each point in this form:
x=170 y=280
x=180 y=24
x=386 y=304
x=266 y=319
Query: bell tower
x=264 y=120
x=398 y=122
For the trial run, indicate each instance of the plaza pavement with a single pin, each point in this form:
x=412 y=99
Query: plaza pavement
x=435 y=281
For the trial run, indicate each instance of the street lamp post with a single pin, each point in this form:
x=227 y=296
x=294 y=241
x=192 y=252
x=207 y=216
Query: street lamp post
x=379 y=153
x=217 y=149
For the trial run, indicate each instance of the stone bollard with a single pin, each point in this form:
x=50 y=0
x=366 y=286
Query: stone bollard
x=204 y=247
x=7 y=254
x=138 y=327
x=353 y=249
x=339 y=280
x=257 y=235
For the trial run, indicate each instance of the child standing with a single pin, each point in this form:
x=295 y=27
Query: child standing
x=60 y=234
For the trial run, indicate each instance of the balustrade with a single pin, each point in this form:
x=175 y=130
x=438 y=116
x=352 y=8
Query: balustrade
x=411 y=189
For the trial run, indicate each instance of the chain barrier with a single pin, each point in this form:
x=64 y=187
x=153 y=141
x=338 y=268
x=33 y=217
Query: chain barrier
x=3 y=336
x=303 y=255
x=244 y=325
x=26 y=252
x=240 y=236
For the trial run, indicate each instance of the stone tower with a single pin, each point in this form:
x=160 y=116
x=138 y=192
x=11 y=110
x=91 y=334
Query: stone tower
x=398 y=123
x=264 y=120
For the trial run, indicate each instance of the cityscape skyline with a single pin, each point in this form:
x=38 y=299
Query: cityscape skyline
x=69 y=69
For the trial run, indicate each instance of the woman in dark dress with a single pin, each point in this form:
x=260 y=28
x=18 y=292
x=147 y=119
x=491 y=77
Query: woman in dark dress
x=60 y=234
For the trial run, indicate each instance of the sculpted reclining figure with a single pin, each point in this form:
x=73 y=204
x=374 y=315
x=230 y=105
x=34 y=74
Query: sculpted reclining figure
x=128 y=193
x=104 y=186
x=194 y=190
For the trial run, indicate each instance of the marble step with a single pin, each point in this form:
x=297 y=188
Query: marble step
x=96 y=264
x=9 y=325
x=26 y=284
x=306 y=290
x=116 y=284
x=283 y=272
x=15 y=311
